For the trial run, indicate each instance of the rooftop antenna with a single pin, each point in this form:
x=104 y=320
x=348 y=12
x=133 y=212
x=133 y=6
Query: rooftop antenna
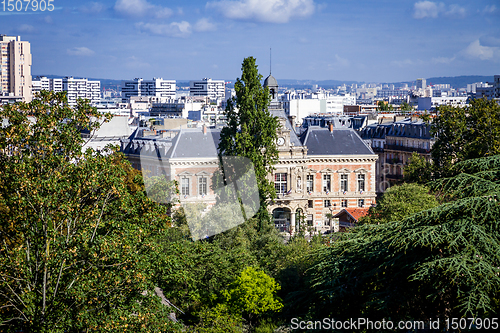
x=270 y=61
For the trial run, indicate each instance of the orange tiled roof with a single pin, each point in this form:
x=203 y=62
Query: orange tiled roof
x=356 y=213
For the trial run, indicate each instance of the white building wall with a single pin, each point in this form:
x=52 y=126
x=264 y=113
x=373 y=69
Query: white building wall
x=81 y=88
x=157 y=87
x=215 y=89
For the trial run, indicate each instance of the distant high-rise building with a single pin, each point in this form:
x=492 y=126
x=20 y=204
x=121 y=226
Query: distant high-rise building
x=15 y=72
x=157 y=87
x=81 y=88
x=215 y=89
x=44 y=83
x=421 y=84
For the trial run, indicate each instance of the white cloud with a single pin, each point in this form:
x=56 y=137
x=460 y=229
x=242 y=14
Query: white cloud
x=48 y=19
x=477 y=51
x=456 y=11
x=274 y=11
x=140 y=8
x=425 y=9
x=490 y=9
x=429 y=9
x=26 y=28
x=93 y=8
x=205 y=25
x=174 y=29
x=80 y=51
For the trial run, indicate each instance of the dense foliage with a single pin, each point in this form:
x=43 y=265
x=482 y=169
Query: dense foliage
x=399 y=202
x=78 y=234
x=83 y=248
x=437 y=263
x=464 y=133
x=251 y=130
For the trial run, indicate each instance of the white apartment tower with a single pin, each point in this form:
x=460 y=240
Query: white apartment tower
x=81 y=88
x=157 y=87
x=15 y=73
x=215 y=89
x=44 y=83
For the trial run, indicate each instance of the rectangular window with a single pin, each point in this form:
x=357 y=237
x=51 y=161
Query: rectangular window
x=280 y=183
x=310 y=183
x=310 y=203
x=344 y=203
x=326 y=183
x=310 y=220
x=361 y=203
x=361 y=182
x=202 y=186
x=327 y=203
x=343 y=183
x=185 y=186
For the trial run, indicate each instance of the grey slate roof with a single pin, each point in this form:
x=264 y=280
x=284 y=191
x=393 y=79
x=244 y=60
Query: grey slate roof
x=294 y=139
x=320 y=141
x=192 y=143
x=270 y=81
x=411 y=129
x=375 y=131
x=404 y=128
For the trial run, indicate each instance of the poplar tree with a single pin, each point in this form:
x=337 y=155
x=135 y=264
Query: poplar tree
x=251 y=130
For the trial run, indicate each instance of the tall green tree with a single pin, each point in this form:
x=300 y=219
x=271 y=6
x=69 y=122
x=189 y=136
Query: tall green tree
x=251 y=130
x=465 y=133
x=79 y=238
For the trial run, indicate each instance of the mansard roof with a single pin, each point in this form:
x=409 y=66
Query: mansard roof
x=280 y=113
x=340 y=141
x=193 y=143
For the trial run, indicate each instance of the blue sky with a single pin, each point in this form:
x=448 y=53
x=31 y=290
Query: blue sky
x=360 y=40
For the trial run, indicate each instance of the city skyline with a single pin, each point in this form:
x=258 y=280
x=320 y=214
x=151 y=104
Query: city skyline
x=370 y=41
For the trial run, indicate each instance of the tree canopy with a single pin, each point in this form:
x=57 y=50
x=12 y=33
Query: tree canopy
x=418 y=170
x=79 y=235
x=251 y=130
x=399 y=202
x=465 y=133
x=437 y=263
